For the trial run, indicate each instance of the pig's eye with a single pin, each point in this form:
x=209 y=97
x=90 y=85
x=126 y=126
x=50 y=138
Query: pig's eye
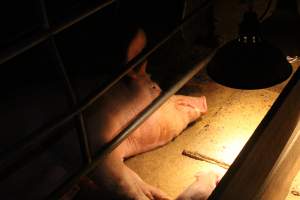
x=153 y=87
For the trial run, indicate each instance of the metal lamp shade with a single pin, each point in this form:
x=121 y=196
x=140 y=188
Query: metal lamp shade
x=244 y=66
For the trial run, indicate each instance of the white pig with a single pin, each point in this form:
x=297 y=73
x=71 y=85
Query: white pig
x=202 y=187
x=108 y=116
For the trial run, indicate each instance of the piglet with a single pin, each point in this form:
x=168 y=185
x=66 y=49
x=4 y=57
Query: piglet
x=202 y=187
x=112 y=113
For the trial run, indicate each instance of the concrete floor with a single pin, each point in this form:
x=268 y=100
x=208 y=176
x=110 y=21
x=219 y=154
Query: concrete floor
x=232 y=117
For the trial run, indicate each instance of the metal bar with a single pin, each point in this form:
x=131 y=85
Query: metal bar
x=89 y=11
x=82 y=134
x=81 y=126
x=84 y=144
x=29 y=144
x=139 y=119
x=135 y=124
x=42 y=35
x=23 y=46
x=44 y=14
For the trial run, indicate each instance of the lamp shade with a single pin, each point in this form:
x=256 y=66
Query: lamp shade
x=249 y=62
x=249 y=67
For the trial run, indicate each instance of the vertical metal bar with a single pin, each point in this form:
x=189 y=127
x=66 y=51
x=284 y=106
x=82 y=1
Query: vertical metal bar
x=80 y=126
x=44 y=14
x=118 y=6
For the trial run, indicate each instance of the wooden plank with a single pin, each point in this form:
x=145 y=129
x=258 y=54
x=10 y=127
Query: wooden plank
x=280 y=178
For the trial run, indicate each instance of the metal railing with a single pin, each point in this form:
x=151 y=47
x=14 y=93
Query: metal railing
x=17 y=154
x=48 y=31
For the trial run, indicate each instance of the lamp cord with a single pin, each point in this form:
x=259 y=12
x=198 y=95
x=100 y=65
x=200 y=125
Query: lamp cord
x=250 y=7
x=261 y=18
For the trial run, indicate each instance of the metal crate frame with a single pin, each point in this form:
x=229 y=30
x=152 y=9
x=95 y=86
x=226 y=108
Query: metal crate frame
x=14 y=156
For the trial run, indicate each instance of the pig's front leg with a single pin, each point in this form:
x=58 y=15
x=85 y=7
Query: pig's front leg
x=116 y=181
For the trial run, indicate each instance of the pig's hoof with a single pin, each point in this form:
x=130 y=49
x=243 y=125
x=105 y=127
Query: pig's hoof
x=155 y=194
x=192 y=107
x=143 y=191
x=132 y=187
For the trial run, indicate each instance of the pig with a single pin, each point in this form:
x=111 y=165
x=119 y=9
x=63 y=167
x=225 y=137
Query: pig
x=114 y=110
x=202 y=187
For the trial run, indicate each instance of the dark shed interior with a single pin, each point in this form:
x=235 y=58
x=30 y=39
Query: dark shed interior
x=57 y=56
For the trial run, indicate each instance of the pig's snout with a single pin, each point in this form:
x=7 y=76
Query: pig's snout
x=155 y=90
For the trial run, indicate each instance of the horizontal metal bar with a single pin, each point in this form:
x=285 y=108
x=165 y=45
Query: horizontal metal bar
x=14 y=154
x=43 y=34
x=23 y=46
x=87 y=12
x=44 y=14
x=138 y=121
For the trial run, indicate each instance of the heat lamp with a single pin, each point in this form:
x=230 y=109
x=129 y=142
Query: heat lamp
x=250 y=61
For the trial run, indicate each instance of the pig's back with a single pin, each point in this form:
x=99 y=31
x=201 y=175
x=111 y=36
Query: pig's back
x=112 y=112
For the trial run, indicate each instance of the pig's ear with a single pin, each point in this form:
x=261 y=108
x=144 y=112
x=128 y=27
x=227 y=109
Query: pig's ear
x=132 y=74
x=136 y=45
x=142 y=70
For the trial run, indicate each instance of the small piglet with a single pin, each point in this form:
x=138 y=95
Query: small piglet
x=202 y=187
x=109 y=115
